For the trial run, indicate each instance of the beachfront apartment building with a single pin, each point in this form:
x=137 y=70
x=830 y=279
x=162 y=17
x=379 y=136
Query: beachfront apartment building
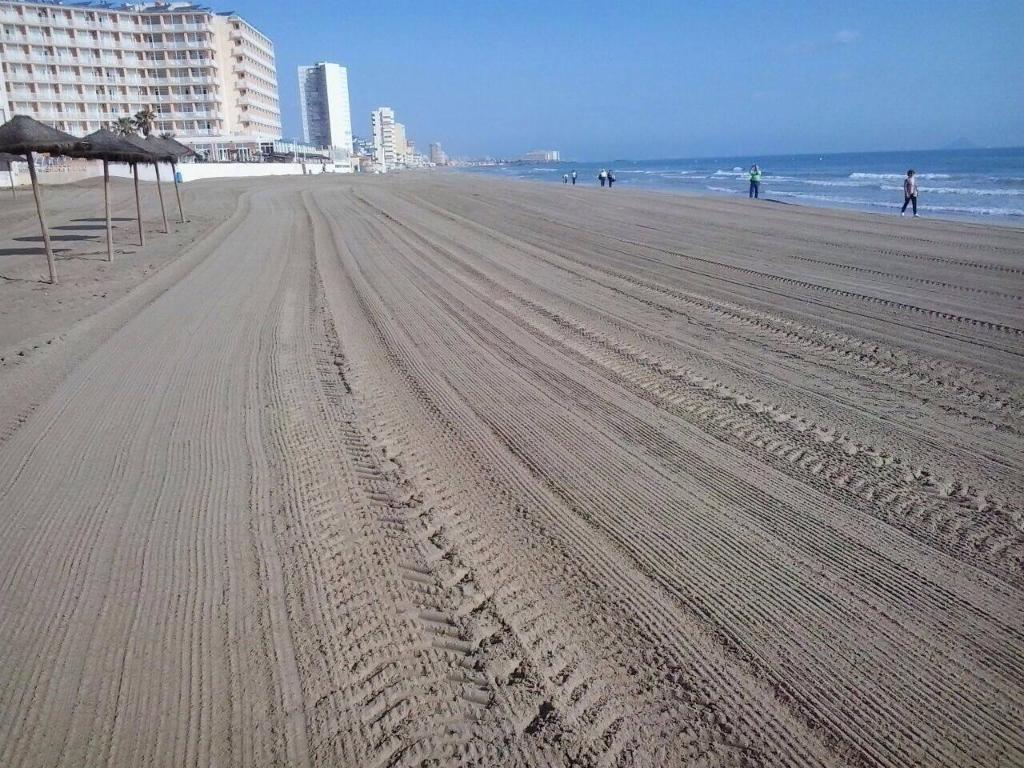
x=324 y=102
x=392 y=148
x=382 y=121
x=210 y=77
x=437 y=155
x=401 y=143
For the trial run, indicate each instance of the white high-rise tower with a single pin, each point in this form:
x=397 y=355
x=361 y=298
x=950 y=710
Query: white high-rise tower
x=326 y=116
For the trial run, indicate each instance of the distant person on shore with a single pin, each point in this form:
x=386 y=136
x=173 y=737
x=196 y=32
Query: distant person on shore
x=602 y=176
x=611 y=178
x=755 y=181
x=565 y=178
x=909 y=193
x=574 y=178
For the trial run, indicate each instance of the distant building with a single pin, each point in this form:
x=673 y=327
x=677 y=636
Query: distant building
x=382 y=121
x=437 y=155
x=362 y=147
x=294 y=151
x=210 y=77
x=542 y=156
x=323 y=97
x=401 y=145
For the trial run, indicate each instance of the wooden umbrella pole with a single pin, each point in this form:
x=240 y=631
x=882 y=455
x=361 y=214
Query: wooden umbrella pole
x=160 y=192
x=106 y=206
x=138 y=204
x=177 y=192
x=10 y=171
x=42 y=217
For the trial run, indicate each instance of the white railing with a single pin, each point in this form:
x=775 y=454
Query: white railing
x=57 y=116
x=258 y=87
x=238 y=34
x=194 y=115
x=193 y=27
x=199 y=80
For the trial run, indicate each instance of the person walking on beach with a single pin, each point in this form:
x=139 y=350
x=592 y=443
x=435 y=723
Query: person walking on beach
x=574 y=178
x=611 y=178
x=755 y=181
x=565 y=178
x=909 y=193
x=602 y=176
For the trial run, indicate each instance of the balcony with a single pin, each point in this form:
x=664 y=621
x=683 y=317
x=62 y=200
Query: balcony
x=257 y=86
x=51 y=116
x=179 y=45
x=198 y=114
x=204 y=80
x=193 y=27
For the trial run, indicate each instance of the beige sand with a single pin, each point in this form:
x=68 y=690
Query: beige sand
x=431 y=471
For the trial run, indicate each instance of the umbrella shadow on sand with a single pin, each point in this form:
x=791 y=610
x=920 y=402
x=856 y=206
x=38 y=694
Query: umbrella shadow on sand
x=29 y=251
x=39 y=238
x=101 y=220
x=79 y=227
x=58 y=253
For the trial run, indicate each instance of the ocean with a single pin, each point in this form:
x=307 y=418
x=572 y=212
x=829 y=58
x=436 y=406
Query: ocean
x=979 y=184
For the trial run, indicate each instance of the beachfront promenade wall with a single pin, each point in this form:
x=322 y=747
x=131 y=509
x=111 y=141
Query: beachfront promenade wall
x=188 y=171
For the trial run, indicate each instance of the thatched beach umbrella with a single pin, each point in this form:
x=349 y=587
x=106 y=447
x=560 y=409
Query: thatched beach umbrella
x=22 y=135
x=177 y=151
x=11 y=160
x=157 y=154
x=110 y=148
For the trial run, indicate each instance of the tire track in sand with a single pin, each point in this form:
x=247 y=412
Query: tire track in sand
x=443 y=303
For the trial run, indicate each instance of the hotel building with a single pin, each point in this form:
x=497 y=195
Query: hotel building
x=209 y=77
x=323 y=97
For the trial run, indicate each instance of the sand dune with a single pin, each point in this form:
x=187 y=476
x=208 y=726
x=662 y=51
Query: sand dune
x=426 y=470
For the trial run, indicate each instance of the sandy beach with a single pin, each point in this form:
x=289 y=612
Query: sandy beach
x=431 y=470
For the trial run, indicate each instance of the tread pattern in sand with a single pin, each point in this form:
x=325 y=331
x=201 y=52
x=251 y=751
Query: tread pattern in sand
x=432 y=471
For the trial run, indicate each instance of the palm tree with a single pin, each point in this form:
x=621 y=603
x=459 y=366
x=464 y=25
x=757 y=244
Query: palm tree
x=144 y=120
x=123 y=126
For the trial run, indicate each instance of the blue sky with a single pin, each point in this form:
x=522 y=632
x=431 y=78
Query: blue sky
x=601 y=80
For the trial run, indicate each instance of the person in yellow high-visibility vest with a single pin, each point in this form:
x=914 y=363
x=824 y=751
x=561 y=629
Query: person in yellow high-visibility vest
x=755 y=181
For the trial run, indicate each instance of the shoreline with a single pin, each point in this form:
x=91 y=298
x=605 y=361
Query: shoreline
x=740 y=199
x=978 y=185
